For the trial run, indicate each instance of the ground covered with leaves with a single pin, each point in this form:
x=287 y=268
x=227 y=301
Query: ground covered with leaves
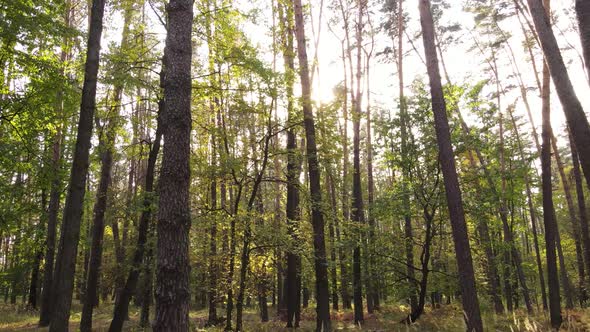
x=446 y=318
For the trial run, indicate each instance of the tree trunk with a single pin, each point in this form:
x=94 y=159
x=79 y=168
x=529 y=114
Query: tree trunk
x=583 y=16
x=573 y=219
x=317 y=218
x=482 y=226
x=581 y=208
x=452 y=189
x=97 y=232
x=532 y=213
x=68 y=245
x=409 y=240
x=548 y=209
x=292 y=288
x=425 y=259
x=574 y=113
x=331 y=234
x=122 y=304
x=146 y=293
x=174 y=220
x=53 y=209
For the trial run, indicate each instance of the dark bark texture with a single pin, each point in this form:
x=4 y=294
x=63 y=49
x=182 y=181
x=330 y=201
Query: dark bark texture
x=174 y=220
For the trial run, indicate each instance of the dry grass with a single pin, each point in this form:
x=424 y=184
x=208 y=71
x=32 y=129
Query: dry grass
x=447 y=318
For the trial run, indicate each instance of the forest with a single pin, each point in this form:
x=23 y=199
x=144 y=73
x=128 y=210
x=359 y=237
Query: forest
x=270 y=165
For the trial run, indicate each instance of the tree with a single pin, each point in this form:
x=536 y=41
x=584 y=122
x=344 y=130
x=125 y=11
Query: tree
x=70 y=235
x=174 y=219
x=358 y=213
x=574 y=113
x=583 y=16
x=548 y=208
x=317 y=219
x=453 y=192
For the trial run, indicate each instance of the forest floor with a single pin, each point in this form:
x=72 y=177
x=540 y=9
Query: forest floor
x=446 y=318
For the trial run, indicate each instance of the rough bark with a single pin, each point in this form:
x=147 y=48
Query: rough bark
x=68 y=245
x=173 y=266
x=453 y=192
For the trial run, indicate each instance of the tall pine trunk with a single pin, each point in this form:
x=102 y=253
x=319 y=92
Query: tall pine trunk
x=174 y=220
x=453 y=192
x=548 y=209
x=320 y=263
x=68 y=246
x=574 y=113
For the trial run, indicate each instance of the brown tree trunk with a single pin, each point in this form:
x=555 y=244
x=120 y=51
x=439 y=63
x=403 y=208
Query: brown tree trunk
x=452 y=189
x=574 y=221
x=107 y=137
x=122 y=304
x=548 y=209
x=292 y=287
x=574 y=113
x=174 y=220
x=532 y=213
x=483 y=225
x=583 y=16
x=581 y=208
x=409 y=240
x=358 y=213
x=54 y=194
x=332 y=236
x=97 y=232
x=317 y=218
x=68 y=245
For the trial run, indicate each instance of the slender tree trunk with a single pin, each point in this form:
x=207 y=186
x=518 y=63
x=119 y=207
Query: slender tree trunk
x=331 y=234
x=583 y=16
x=425 y=260
x=293 y=273
x=581 y=208
x=574 y=113
x=372 y=294
x=409 y=240
x=565 y=280
x=342 y=257
x=122 y=304
x=107 y=137
x=147 y=291
x=548 y=209
x=97 y=234
x=54 y=200
x=483 y=226
x=453 y=191
x=317 y=218
x=172 y=278
x=68 y=246
x=532 y=215
x=573 y=219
